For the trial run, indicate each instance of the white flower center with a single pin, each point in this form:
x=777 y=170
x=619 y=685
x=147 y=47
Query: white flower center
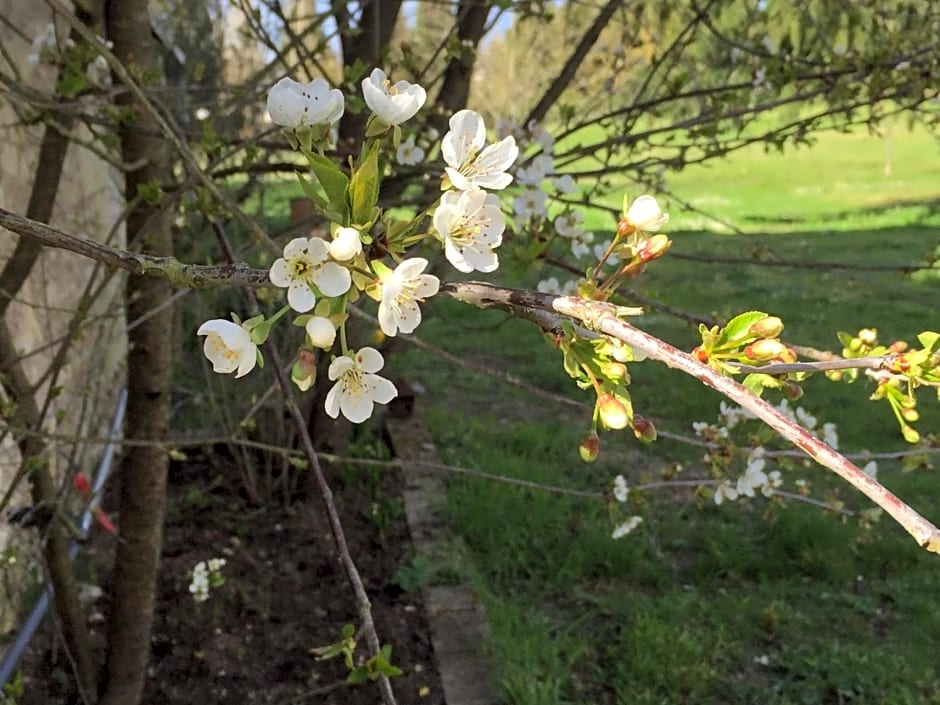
x=218 y=346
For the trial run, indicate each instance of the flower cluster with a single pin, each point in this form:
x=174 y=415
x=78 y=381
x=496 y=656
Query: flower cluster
x=206 y=575
x=323 y=273
x=757 y=477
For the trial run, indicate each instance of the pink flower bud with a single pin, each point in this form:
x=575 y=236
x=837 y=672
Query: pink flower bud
x=768 y=327
x=655 y=247
x=590 y=447
x=766 y=349
x=644 y=429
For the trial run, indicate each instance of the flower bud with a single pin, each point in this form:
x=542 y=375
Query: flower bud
x=655 y=247
x=765 y=349
x=590 y=447
x=321 y=332
x=768 y=327
x=624 y=227
x=645 y=214
x=346 y=244
x=612 y=412
x=304 y=370
x=644 y=429
x=614 y=371
x=898 y=346
x=910 y=414
x=700 y=354
x=792 y=391
x=868 y=336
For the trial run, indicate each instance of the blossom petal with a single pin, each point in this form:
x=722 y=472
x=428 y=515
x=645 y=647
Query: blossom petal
x=370 y=360
x=383 y=391
x=300 y=296
x=467 y=134
x=280 y=273
x=295 y=247
x=331 y=405
x=332 y=279
x=356 y=407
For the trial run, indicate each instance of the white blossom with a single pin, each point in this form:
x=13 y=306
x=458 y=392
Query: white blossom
x=205 y=576
x=292 y=104
x=725 y=491
x=393 y=103
x=321 y=332
x=871 y=469
x=471 y=225
x=774 y=480
x=98 y=72
x=202 y=113
x=346 y=244
x=401 y=293
x=581 y=244
x=830 y=435
x=621 y=490
x=542 y=137
x=626 y=527
x=44 y=46
x=469 y=165
x=305 y=264
x=228 y=347
x=408 y=153
x=536 y=171
x=564 y=184
x=645 y=215
x=754 y=477
x=569 y=224
x=530 y=203
x=357 y=387
x=805 y=418
x=551 y=286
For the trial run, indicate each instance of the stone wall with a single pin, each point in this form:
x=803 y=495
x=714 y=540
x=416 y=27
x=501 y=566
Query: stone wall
x=89 y=201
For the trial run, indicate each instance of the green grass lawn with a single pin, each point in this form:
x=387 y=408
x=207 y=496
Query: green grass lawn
x=749 y=603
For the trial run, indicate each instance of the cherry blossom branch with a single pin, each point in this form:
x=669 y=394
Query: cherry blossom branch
x=602 y=317
x=542 y=309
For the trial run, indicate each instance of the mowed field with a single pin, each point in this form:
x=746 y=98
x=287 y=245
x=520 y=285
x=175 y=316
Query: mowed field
x=751 y=602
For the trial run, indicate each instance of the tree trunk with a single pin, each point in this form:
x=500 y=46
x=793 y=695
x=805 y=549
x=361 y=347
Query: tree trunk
x=149 y=366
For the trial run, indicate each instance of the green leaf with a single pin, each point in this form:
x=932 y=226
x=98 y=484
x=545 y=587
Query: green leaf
x=364 y=188
x=360 y=674
x=736 y=332
x=929 y=340
x=312 y=193
x=757 y=382
x=335 y=183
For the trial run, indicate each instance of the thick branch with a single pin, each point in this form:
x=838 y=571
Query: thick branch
x=602 y=317
x=179 y=274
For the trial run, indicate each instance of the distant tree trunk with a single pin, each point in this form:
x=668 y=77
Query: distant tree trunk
x=149 y=366
x=455 y=88
x=376 y=24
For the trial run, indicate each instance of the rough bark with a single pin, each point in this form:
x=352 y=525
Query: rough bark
x=455 y=88
x=149 y=366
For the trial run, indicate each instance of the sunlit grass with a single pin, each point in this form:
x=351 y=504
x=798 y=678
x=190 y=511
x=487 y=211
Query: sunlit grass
x=750 y=603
